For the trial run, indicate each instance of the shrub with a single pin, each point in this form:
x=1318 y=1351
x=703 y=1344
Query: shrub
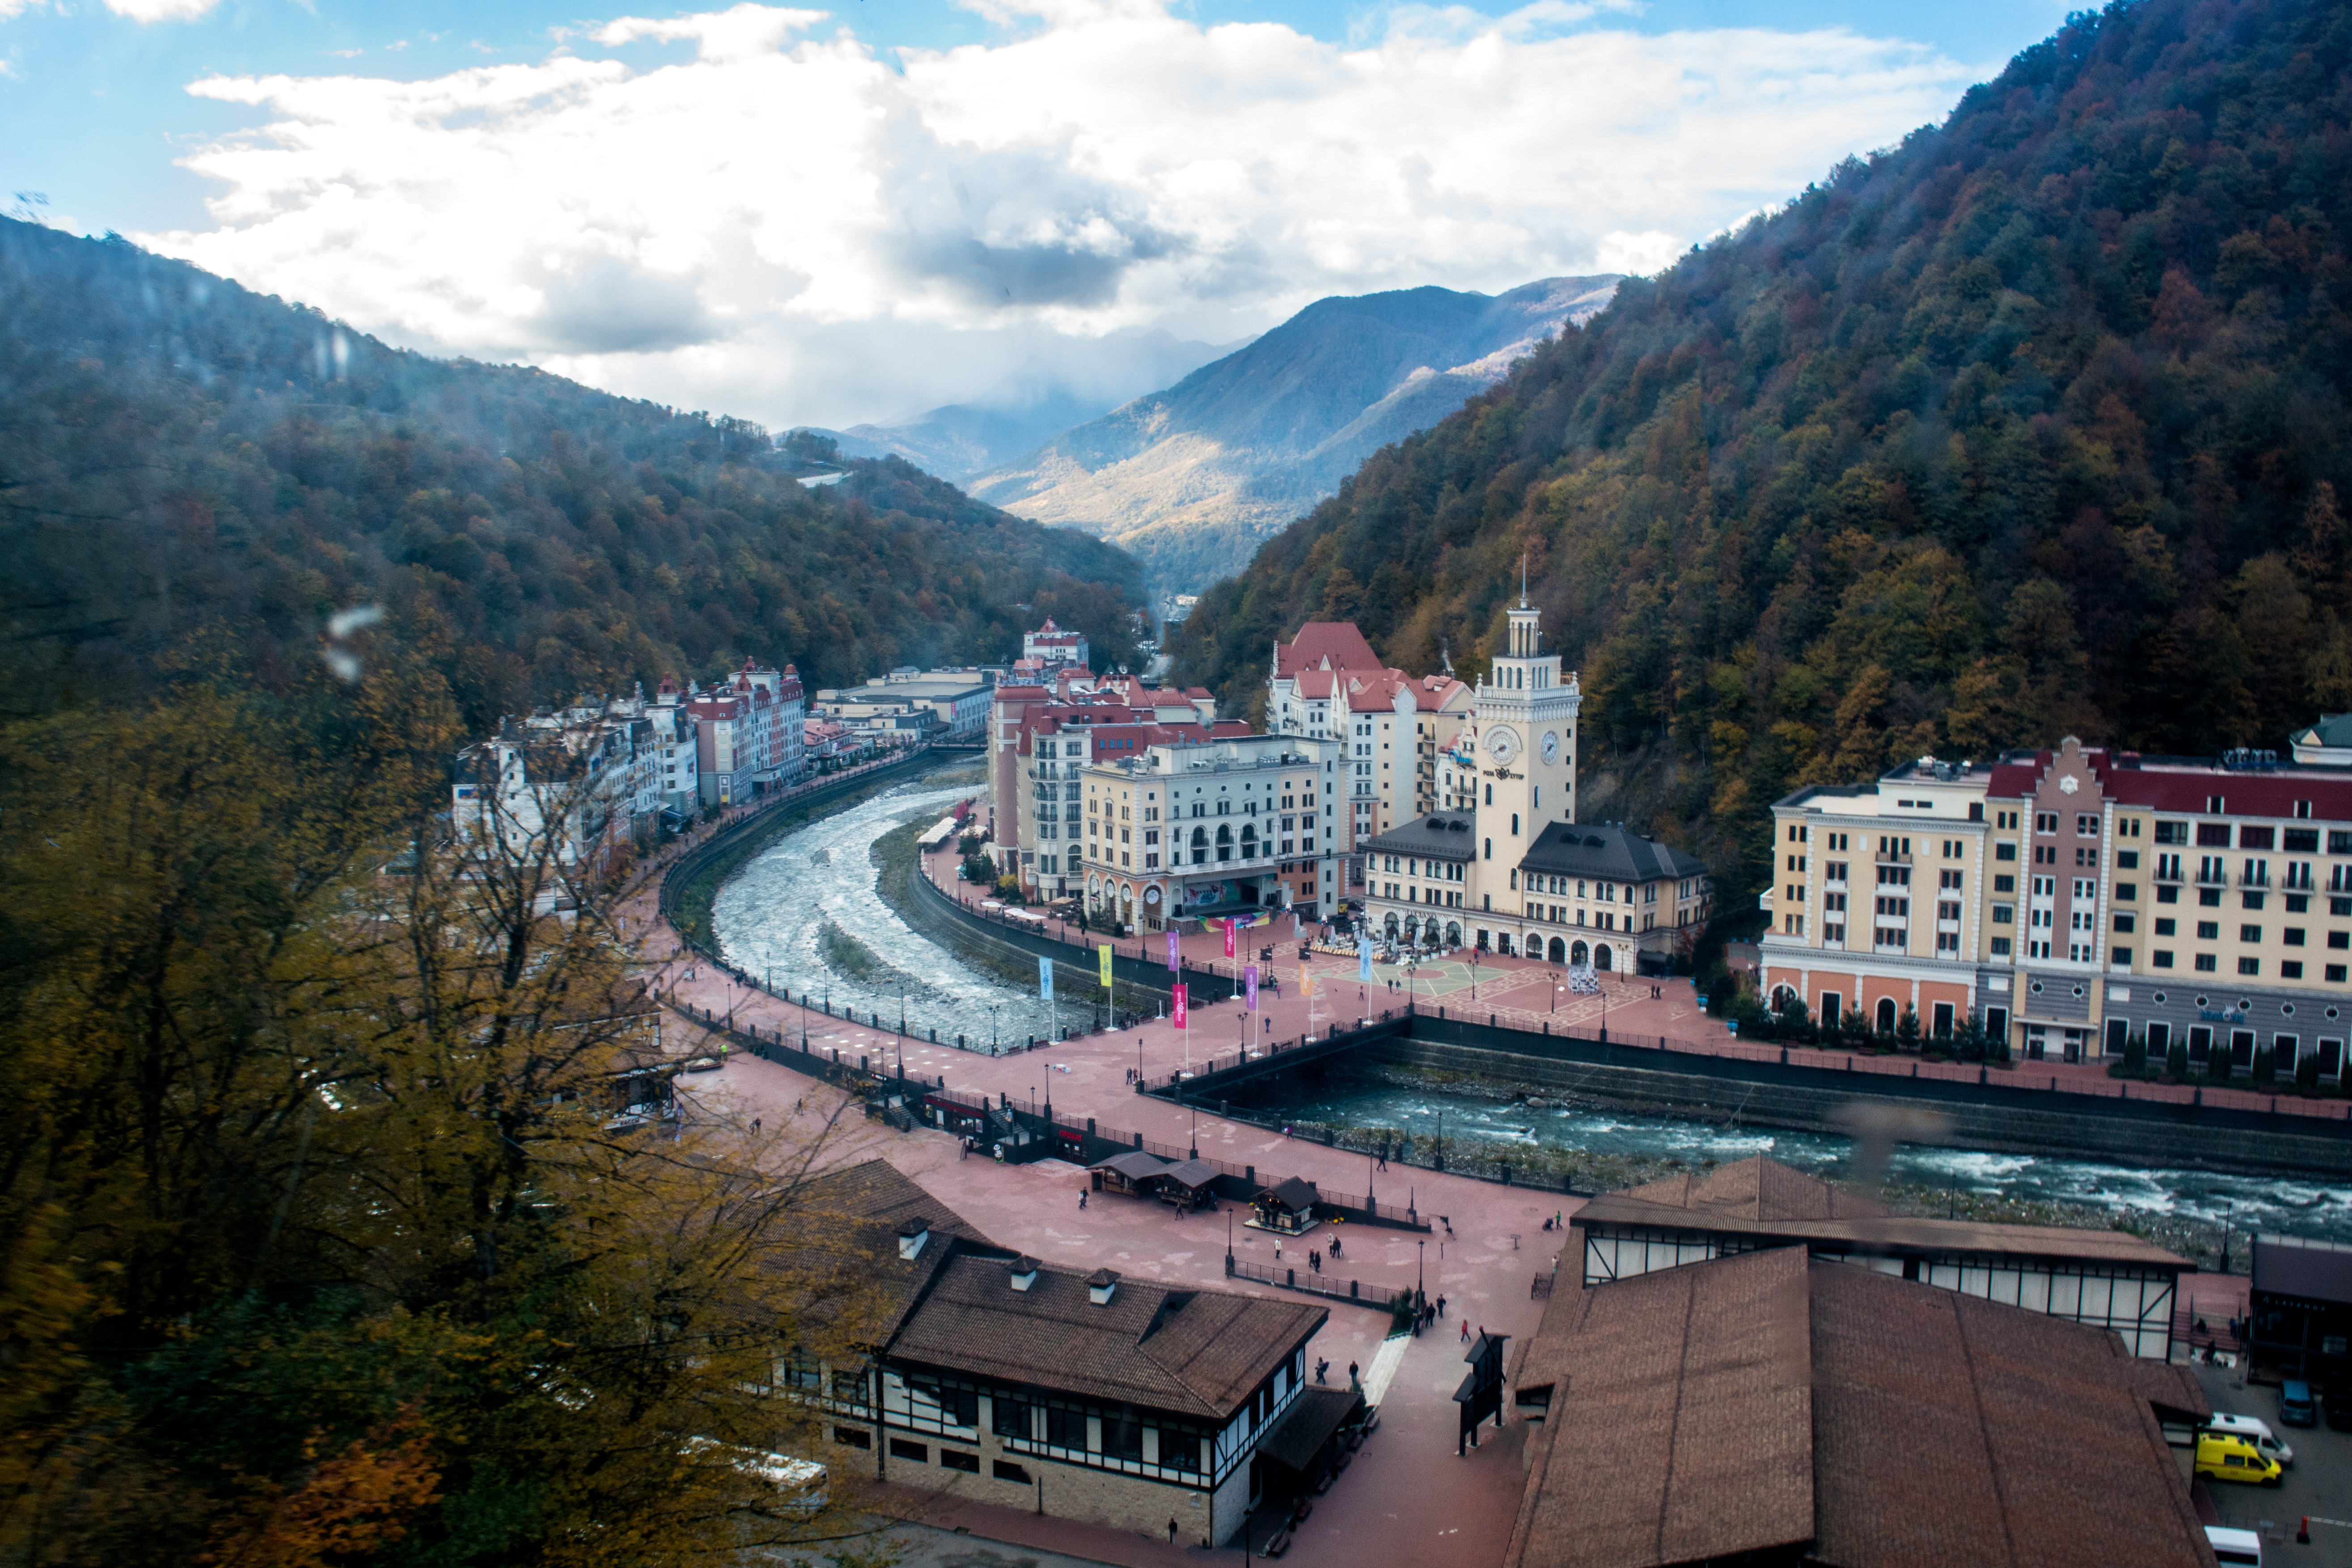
x=2265 y=1068
x=2176 y=1059
x=2135 y=1056
x=2307 y=1073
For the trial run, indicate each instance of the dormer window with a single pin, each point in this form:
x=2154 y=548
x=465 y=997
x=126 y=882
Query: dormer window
x=1101 y=1286
x=1023 y=1272
x=911 y=1237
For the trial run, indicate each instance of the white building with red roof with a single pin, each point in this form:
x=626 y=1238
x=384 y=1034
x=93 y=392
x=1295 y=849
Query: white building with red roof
x=1050 y=646
x=1328 y=684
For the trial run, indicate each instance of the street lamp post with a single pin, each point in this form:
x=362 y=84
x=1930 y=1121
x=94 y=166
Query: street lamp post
x=1420 y=1279
x=993 y=1008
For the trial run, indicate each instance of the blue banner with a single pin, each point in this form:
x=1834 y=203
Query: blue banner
x=1364 y=958
x=1045 y=977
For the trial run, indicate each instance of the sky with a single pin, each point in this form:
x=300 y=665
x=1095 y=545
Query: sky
x=823 y=216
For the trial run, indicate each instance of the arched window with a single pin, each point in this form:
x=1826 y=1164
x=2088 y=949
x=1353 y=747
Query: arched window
x=1886 y=1015
x=1393 y=928
x=1601 y=955
x=1781 y=996
x=1579 y=953
x=1454 y=933
x=1558 y=951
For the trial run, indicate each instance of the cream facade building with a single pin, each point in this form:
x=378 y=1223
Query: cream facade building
x=1501 y=863
x=2073 y=898
x=1209 y=828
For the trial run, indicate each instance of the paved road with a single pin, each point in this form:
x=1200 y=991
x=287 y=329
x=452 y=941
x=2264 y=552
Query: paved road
x=2319 y=1482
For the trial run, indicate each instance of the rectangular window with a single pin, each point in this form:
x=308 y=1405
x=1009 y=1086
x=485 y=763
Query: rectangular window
x=2160 y=959
x=1006 y=1471
x=2126 y=891
x=2009 y=851
x=853 y=1438
x=2250 y=966
x=2119 y=955
x=2339 y=939
x=2128 y=859
x=2213 y=835
x=2206 y=964
x=2001 y=947
x=2339 y=841
x=2178 y=833
x=2004 y=914
x=2300 y=841
x=2292 y=936
x=1065 y=1429
x=2250 y=933
x=2253 y=837
x=2124 y=924
x=2290 y=969
x=957 y=1459
x=2166 y=925
x=903 y=1448
x=2209 y=930
x=2336 y=974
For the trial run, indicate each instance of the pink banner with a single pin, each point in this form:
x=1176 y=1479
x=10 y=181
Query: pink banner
x=1172 y=952
x=1249 y=981
x=1178 y=992
x=1229 y=939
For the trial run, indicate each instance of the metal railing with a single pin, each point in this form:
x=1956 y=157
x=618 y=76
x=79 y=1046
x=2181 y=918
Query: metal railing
x=1385 y=1296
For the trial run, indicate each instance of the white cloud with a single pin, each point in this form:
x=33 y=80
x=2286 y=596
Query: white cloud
x=161 y=10
x=786 y=220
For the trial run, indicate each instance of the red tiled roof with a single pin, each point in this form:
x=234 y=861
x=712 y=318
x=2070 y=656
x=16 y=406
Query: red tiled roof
x=1325 y=644
x=2181 y=785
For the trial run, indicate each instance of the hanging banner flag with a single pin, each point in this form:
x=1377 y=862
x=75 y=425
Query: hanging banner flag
x=1230 y=927
x=1249 y=983
x=1364 y=958
x=1306 y=983
x=1104 y=951
x=1045 y=977
x=1172 y=952
x=1178 y=1011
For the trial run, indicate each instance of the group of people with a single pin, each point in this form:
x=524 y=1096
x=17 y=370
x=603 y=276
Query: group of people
x=1315 y=1256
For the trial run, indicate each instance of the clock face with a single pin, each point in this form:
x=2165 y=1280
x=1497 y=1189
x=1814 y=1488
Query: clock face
x=1503 y=744
x=1551 y=746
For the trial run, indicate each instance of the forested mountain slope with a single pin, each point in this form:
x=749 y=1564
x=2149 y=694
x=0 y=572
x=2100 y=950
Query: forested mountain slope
x=181 y=455
x=2037 y=424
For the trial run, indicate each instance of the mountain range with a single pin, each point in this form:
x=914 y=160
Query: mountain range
x=1082 y=379
x=186 y=464
x=2037 y=424
x=1190 y=479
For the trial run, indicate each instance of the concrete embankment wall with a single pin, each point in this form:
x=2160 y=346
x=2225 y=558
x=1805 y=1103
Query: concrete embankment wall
x=2136 y=1133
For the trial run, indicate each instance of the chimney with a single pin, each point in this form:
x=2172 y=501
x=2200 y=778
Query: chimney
x=1024 y=1271
x=1101 y=1285
x=911 y=1237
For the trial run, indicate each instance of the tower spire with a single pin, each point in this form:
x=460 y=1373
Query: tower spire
x=1523 y=579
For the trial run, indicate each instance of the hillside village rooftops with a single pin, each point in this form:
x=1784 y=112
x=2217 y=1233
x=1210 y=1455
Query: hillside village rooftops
x=1325 y=644
x=1608 y=851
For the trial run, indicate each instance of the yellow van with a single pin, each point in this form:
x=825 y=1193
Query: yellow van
x=2226 y=1457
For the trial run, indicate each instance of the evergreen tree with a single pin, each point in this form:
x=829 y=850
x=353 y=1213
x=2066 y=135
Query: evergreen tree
x=1906 y=1031
x=2176 y=1060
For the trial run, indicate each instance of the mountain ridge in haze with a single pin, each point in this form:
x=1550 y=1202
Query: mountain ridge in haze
x=1192 y=478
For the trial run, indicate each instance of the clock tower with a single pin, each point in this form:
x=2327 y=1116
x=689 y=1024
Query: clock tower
x=1527 y=740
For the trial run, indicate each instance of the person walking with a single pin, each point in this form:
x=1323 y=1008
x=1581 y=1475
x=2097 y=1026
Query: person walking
x=1353 y=1381
x=1465 y=1330
x=1440 y=1306
x=1171 y=1532
x=1082 y=1200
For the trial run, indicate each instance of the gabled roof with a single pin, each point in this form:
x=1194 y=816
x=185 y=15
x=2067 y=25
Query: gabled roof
x=1449 y=836
x=1770 y=1404
x=849 y=1223
x=1190 y=1352
x=1606 y=850
x=1758 y=1188
x=1325 y=644
x=1771 y=1204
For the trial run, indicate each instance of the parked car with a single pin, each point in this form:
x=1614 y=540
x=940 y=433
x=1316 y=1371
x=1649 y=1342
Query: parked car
x=2257 y=1429
x=2225 y=1457
x=2336 y=1408
x=2235 y=1548
x=2295 y=1405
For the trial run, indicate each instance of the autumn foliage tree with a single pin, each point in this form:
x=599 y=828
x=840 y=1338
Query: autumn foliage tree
x=339 y=1220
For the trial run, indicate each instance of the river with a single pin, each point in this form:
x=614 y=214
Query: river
x=774 y=917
